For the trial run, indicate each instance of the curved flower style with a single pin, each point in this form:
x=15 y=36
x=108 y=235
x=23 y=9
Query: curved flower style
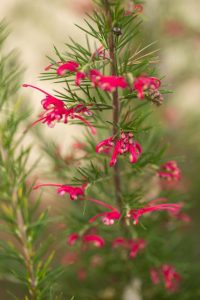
x=94 y=239
x=107 y=218
x=143 y=83
x=133 y=245
x=168 y=274
x=150 y=207
x=170 y=171
x=126 y=144
x=73 y=191
x=55 y=110
x=107 y=83
x=69 y=66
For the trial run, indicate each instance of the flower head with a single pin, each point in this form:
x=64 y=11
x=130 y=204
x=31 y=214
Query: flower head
x=143 y=83
x=150 y=207
x=55 y=110
x=171 y=277
x=133 y=245
x=107 y=83
x=170 y=171
x=73 y=191
x=168 y=275
x=125 y=144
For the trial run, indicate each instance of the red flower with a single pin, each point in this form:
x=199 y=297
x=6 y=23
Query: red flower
x=154 y=276
x=170 y=171
x=136 y=213
x=55 y=110
x=107 y=83
x=72 y=238
x=73 y=191
x=69 y=66
x=143 y=83
x=133 y=245
x=168 y=274
x=94 y=239
x=171 y=277
x=108 y=218
x=126 y=144
x=79 y=77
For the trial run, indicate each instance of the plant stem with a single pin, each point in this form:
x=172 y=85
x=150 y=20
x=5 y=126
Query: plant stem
x=26 y=251
x=115 y=101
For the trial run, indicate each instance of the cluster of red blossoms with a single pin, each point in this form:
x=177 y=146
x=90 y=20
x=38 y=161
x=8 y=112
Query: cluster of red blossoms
x=125 y=144
x=167 y=274
x=106 y=83
x=55 y=110
x=170 y=171
x=133 y=245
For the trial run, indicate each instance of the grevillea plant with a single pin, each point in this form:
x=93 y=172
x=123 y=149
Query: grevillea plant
x=120 y=210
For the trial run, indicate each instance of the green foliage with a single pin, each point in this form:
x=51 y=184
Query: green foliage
x=25 y=258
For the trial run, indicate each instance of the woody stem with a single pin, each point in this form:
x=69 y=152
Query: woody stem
x=115 y=100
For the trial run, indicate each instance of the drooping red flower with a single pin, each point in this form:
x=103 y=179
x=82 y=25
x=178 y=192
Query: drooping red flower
x=55 y=110
x=133 y=245
x=107 y=83
x=150 y=207
x=171 y=277
x=72 y=238
x=168 y=275
x=170 y=171
x=143 y=83
x=79 y=77
x=86 y=239
x=109 y=217
x=73 y=191
x=94 y=239
x=69 y=66
x=126 y=144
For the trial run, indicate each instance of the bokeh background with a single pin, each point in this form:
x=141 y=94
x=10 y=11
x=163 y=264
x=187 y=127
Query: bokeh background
x=38 y=25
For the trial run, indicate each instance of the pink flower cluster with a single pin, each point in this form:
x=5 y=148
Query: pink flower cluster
x=133 y=245
x=55 y=110
x=170 y=171
x=73 y=191
x=167 y=274
x=125 y=144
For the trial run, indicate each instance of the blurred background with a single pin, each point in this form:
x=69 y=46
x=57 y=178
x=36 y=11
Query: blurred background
x=38 y=25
